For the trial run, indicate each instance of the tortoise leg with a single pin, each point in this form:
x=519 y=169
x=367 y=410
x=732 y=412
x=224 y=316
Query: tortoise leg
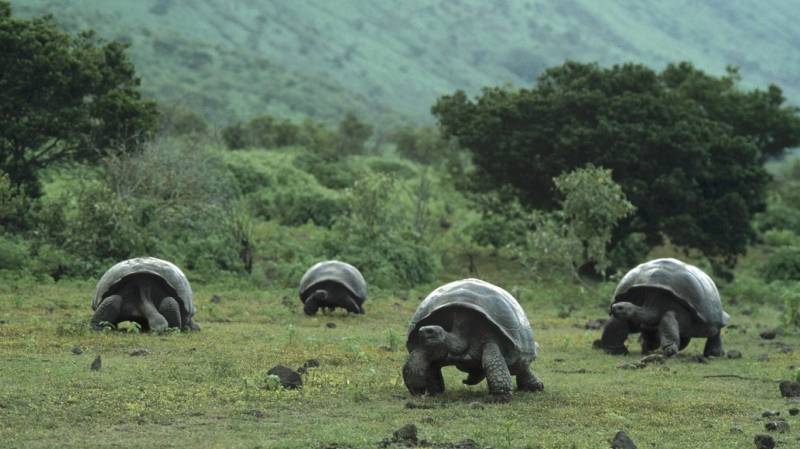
x=684 y=342
x=527 y=381
x=415 y=372
x=497 y=375
x=155 y=321
x=107 y=312
x=171 y=310
x=435 y=380
x=615 y=332
x=650 y=341
x=351 y=305
x=714 y=346
x=314 y=302
x=669 y=330
x=190 y=325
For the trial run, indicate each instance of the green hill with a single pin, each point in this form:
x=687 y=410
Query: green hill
x=389 y=60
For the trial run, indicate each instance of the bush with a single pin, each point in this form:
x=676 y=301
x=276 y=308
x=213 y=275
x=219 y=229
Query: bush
x=782 y=265
x=781 y=237
x=377 y=236
x=13 y=253
x=425 y=145
x=750 y=290
x=316 y=204
x=503 y=221
x=330 y=171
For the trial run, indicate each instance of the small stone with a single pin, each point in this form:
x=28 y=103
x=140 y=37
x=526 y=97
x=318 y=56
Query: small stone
x=139 y=351
x=77 y=350
x=622 y=441
x=763 y=441
x=746 y=311
x=630 y=365
x=789 y=389
x=413 y=405
x=736 y=431
x=311 y=363
x=96 y=364
x=289 y=378
x=794 y=411
x=652 y=358
x=697 y=358
x=302 y=370
x=734 y=354
x=256 y=413
x=558 y=360
x=768 y=334
x=770 y=413
x=595 y=324
x=466 y=444
x=476 y=405
x=216 y=299
x=777 y=426
x=406 y=434
x=330 y=325
x=762 y=358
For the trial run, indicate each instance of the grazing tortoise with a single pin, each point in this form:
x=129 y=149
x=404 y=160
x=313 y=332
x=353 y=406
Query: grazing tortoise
x=151 y=292
x=669 y=302
x=333 y=284
x=478 y=327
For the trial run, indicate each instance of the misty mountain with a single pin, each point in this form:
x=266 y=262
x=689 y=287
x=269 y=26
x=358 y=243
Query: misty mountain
x=389 y=60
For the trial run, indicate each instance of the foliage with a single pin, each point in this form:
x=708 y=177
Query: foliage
x=64 y=98
x=782 y=265
x=791 y=309
x=693 y=177
x=504 y=220
x=424 y=144
x=177 y=120
x=352 y=135
x=377 y=236
x=269 y=132
x=592 y=205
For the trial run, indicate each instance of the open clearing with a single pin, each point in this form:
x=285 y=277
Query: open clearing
x=206 y=389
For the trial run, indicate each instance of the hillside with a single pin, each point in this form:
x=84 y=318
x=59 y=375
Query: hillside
x=389 y=61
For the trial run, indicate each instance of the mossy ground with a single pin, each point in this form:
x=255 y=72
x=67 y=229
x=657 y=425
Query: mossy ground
x=205 y=389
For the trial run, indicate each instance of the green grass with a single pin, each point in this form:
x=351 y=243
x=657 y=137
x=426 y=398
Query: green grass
x=204 y=389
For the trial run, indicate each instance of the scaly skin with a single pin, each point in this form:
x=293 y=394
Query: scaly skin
x=473 y=345
x=329 y=295
x=143 y=299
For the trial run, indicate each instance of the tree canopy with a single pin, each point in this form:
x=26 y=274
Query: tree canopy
x=685 y=146
x=63 y=97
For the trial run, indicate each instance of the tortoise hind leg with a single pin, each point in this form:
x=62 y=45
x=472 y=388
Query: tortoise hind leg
x=497 y=375
x=714 y=346
x=171 y=310
x=107 y=312
x=527 y=381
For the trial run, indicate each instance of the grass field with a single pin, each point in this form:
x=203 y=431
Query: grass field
x=209 y=389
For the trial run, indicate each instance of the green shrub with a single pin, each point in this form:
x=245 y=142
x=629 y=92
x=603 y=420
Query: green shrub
x=747 y=289
x=330 y=171
x=316 y=204
x=377 y=236
x=503 y=221
x=781 y=237
x=13 y=253
x=425 y=145
x=782 y=265
x=396 y=168
x=778 y=216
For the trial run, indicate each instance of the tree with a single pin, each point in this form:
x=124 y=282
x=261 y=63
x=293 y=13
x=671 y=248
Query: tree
x=693 y=175
x=353 y=134
x=64 y=98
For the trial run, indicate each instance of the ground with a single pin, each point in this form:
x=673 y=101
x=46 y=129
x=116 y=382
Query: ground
x=210 y=389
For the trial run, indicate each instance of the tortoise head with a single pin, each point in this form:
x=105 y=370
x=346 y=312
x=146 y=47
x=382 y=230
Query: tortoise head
x=434 y=340
x=624 y=310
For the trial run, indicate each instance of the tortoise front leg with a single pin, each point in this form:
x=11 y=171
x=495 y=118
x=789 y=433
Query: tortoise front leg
x=714 y=346
x=435 y=380
x=171 y=310
x=650 y=341
x=314 y=302
x=190 y=325
x=107 y=311
x=669 y=330
x=415 y=372
x=155 y=321
x=497 y=375
x=615 y=333
x=351 y=305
